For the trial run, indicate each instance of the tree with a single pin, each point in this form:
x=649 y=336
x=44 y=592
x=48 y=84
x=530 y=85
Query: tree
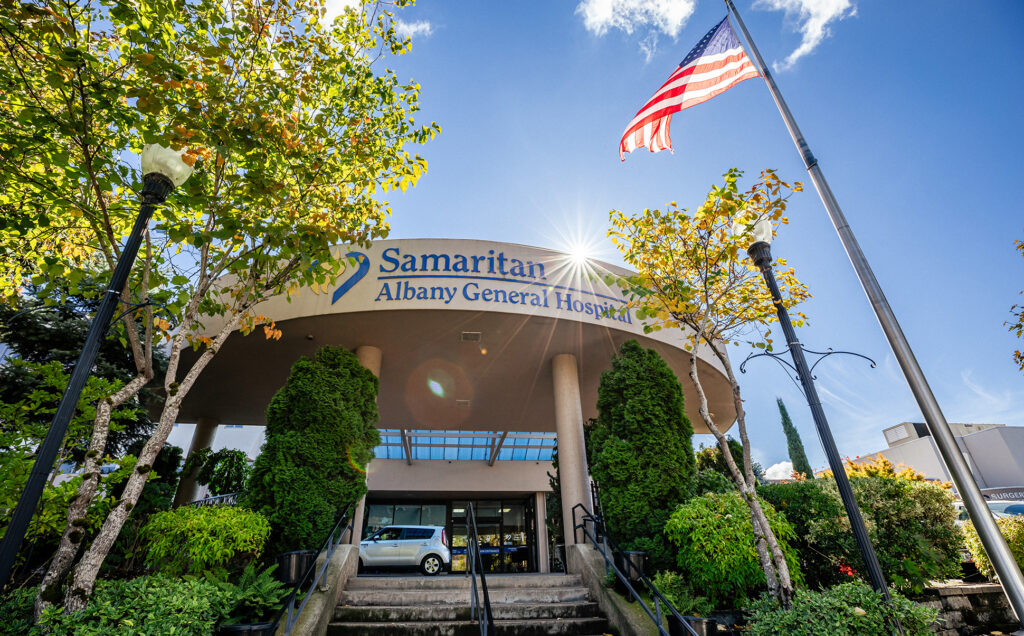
x=640 y=450
x=321 y=431
x=1017 y=327
x=294 y=133
x=693 y=275
x=709 y=458
x=39 y=333
x=794 y=444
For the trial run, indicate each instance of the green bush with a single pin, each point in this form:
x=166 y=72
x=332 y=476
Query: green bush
x=1012 y=528
x=16 y=612
x=716 y=546
x=808 y=506
x=850 y=609
x=155 y=605
x=194 y=539
x=713 y=481
x=224 y=471
x=910 y=524
x=640 y=450
x=255 y=597
x=321 y=431
x=677 y=590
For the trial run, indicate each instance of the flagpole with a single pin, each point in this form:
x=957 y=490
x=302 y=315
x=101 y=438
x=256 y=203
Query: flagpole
x=995 y=545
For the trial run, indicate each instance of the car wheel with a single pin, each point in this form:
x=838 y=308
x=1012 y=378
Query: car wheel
x=431 y=565
x=362 y=568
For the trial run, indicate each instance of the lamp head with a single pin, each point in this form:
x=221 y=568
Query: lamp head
x=165 y=161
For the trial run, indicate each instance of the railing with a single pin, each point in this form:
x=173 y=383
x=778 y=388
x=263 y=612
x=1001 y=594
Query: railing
x=474 y=566
x=229 y=499
x=289 y=613
x=606 y=546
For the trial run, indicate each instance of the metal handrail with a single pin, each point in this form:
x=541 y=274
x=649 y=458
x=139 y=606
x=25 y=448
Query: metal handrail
x=606 y=546
x=288 y=611
x=230 y=499
x=475 y=565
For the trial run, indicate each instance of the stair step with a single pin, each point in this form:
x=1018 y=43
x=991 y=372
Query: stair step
x=458 y=596
x=501 y=611
x=533 y=627
x=455 y=581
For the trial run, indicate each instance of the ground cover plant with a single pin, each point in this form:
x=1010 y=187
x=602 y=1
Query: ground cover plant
x=849 y=609
x=640 y=452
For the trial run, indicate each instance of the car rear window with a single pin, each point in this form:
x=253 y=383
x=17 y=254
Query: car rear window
x=418 y=533
x=1014 y=509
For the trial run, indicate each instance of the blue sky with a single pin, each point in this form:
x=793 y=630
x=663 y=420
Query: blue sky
x=912 y=108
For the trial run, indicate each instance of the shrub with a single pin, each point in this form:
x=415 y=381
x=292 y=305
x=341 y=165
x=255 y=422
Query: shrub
x=16 y=612
x=155 y=605
x=850 y=609
x=1011 y=527
x=716 y=546
x=710 y=458
x=910 y=524
x=224 y=471
x=193 y=539
x=253 y=598
x=640 y=450
x=321 y=431
x=713 y=481
x=677 y=590
x=807 y=505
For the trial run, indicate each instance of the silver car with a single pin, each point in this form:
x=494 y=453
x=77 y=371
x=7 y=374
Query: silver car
x=425 y=547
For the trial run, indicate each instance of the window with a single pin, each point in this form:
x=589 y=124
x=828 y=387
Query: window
x=389 y=534
x=418 y=533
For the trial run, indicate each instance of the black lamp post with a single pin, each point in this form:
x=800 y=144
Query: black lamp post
x=163 y=170
x=761 y=253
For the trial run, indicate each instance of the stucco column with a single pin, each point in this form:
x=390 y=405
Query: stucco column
x=572 y=457
x=540 y=505
x=369 y=357
x=202 y=437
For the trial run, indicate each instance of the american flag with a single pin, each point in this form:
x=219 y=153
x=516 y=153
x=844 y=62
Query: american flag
x=715 y=65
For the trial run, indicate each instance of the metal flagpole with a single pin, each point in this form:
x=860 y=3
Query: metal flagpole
x=995 y=545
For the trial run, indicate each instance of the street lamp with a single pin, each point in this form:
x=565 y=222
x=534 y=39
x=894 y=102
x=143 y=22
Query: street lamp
x=760 y=252
x=163 y=170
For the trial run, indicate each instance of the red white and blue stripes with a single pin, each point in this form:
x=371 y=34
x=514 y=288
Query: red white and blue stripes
x=715 y=65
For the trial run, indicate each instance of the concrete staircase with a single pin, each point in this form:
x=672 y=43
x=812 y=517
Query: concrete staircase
x=522 y=604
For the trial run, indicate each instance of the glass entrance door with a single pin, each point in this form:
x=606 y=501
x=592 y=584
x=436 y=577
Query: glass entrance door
x=502 y=534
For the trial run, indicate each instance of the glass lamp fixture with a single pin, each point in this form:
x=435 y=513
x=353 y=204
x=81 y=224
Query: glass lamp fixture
x=157 y=159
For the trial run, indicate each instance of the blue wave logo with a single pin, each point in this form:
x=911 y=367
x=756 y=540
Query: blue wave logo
x=363 y=262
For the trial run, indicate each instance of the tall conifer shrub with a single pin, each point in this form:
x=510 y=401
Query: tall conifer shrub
x=640 y=450
x=795 y=444
x=320 y=436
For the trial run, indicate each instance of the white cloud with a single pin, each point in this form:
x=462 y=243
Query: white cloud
x=782 y=470
x=813 y=17
x=334 y=8
x=649 y=16
x=413 y=29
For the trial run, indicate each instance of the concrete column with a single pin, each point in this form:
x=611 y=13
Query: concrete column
x=540 y=504
x=202 y=437
x=369 y=357
x=572 y=457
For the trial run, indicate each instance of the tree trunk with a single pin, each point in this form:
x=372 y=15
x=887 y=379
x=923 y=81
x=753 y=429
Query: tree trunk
x=773 y=561
x=83 y=579
x=70 y=541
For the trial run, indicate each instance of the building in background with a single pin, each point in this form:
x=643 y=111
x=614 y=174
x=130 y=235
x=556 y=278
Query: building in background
x=488 y=354
x=994 y=453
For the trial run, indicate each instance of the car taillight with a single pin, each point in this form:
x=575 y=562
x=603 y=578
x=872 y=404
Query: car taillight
x=444 y=537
